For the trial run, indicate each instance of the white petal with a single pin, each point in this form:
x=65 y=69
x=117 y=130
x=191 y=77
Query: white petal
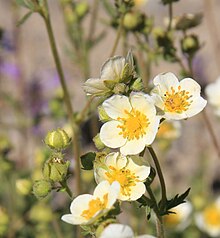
x=116 y=105
x=113 y=194
x=112 y=68
x=101 y=189
x=141 y=171
x=74 y=220
x=117 y=231
x=175 y=116
x=152 y=130
x=80 y=203
x=165 y=82
x=94 y=86
x=137 y=191
x=197 y=106
x=191 y=86
x=116 y=160
x=109 y=135
x=133 y=147
x=145 y=236
x=143 y=103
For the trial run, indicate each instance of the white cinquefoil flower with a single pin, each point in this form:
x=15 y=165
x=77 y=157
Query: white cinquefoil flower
x=212 y=91
x=133 y=123
x=120 y=231
x=86 y=208
x=115 y=73
x=208 y=220
x=129 y=175
x=177 y=99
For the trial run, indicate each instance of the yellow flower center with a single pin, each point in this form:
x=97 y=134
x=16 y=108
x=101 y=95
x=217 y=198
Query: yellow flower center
x=212 y=215
x=134 y=125
x=95 y=205
x=125 y=177
x=172 y=219
x=177 y=101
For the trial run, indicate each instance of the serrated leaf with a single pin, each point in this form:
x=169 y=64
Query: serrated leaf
x=177 y=200
x=87 y=160
x=145 y=202
x=24 y=18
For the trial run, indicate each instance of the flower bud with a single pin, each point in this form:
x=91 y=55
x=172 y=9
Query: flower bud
x=133 y=21
x=57 y=139
x=190 y=44
x=119 y=88
x=56 y=169
x=41 y=188
x=137 y=85
x=23 y=186
x=98 y=143
x=103 y=116
x=82 y=9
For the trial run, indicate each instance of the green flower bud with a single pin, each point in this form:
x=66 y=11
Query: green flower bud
x=188 y=21
x=82 y=9
x=133 y=21
x=56 y=169
x=57 y=139
x=190 y=44
x=41 y=188
x=23 y=186
x=98 y=143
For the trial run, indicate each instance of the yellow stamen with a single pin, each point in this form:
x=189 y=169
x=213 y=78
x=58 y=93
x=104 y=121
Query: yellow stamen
x=95 y=205
x=212 y=215
x=125 y=177
x=177 y=101
x=134 y=125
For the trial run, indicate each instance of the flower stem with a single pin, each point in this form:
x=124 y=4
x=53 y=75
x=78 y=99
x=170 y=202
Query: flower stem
x=159 y=226
x=160 y=175
x=67 y=189
x=170 y=16
x=67 y=99
x=120 y=28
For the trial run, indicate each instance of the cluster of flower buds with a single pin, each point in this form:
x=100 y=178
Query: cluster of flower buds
x=55 y=169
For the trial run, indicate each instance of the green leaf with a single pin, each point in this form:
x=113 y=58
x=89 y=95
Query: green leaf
x=24 y=18
x=145 y=202
x=178 y=199
x=87 y=160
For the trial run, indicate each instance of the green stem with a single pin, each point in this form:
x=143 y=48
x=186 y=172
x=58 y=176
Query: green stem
x=170 y=16
x=160 y=228
x=67 y=100
x=120 y=28
x=160 y=175
x=67 y=189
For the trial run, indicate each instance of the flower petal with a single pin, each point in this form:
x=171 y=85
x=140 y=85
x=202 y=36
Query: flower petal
x=191 y=86
x=74 y=220
x=197 y=106
x=116 y=105
x=109 y=135
x=80 y=203
x=95 y=86
x=133 y=147
x=117 y=231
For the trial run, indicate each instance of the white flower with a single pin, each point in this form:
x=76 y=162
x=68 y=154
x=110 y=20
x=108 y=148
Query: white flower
x=212 y=91
x=133 y=123
x=129 y=175
x=209 y=219
x=177 y=100
x=181 y=218
x=86 y=208
x=120 y=231
x=114 y=71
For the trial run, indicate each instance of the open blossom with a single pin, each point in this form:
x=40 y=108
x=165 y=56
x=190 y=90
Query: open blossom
x=130 y=176
x=212 y=91
x=180 y=219
x=120 y=231
x=133 y=123
x=208 y=220
x=177 y=99
x=115 y=73
x=86 y=208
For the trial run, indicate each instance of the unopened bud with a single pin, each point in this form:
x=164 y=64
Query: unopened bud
x=57 y=139
x=81 y=9
x=98 y=143
x=137 y=85
x=190 y=44
x=133 y=21
x=41 y=188
x=119 y=88
x=56 y=169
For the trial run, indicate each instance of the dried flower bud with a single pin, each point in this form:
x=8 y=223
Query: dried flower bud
x=57 y=139
x=56 y=169
x=41 y=188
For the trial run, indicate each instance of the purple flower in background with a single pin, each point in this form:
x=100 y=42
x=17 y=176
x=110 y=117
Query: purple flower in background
x=9 y=69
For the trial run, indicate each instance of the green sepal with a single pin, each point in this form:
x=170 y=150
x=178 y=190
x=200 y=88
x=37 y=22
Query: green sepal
x=24 y=18
x=87 y=160
x=173 y=202
x=145 y=202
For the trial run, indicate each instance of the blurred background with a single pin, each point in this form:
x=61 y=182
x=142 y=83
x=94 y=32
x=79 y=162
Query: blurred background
x=31 y=104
